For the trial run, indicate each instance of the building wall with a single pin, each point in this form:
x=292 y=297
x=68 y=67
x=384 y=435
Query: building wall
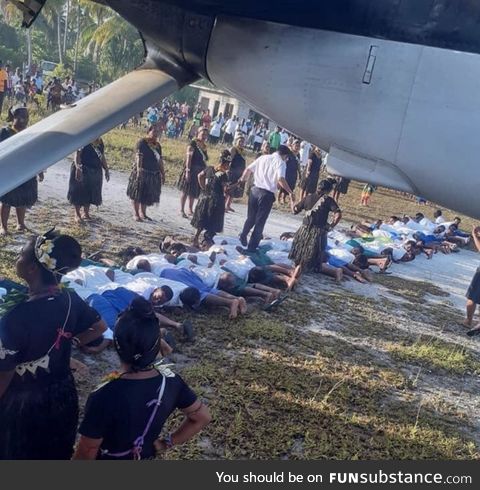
x=208 y=99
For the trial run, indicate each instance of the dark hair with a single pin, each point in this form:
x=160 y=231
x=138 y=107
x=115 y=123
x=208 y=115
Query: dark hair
x=130 y=252
x=257 y=274
x=396 y=218
x=225 y=157
x=325 y=186
x=66 y=251
x=167 y=291
x=437 y=213
x=144 y=265
x=419 y=216
x=190 y=296
x=457 y=218
x=137 y=336
x=178 y=248
x=284 y=150
x=361 y=261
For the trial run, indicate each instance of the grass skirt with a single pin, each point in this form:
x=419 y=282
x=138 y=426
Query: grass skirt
x=145 y=187
x=25 y=195
x=308 y=244
x=209 y=214
x=89 y=190
x=39 y=420
x=192 y=187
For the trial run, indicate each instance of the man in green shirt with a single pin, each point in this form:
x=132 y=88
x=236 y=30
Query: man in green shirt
x=274 y=140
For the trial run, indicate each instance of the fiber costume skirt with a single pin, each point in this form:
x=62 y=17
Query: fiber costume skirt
x=473 y=292
x=209 y=214
x=309 y=184
x=308 y=245
x=38 y=420
x=145 y=187
x=192 y=187
x=25 y=195
x=89 y=190
x=233 y=178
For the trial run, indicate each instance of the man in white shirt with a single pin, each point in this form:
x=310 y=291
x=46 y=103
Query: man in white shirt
x=283 y=137
x=305 y=148
x=268 y=172
x=230 y=128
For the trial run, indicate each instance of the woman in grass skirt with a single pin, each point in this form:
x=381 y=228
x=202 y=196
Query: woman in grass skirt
x=194 y=164
x=25 y=195
x=148 y=174
x=86 y=178
x=210 y=210
x=310 y=240
x=38 y=399
x=237 y=167
x=312 y=173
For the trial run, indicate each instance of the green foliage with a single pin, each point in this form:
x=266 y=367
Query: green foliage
x=90 y=40
x=62 y=72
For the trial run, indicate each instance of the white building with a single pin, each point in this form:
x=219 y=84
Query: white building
x=219 y=101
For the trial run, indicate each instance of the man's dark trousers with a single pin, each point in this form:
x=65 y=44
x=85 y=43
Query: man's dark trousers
x=260 y=204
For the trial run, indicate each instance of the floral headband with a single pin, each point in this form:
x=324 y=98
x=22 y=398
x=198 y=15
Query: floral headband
x=43 y=252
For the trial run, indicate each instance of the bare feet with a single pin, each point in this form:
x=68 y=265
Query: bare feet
x=78 y=220
x=242 y=305
x=87 y=217
x=467 y=324
x=3 y=231
x=234 y=309
x=338 y=275
x=183 y=215
x=138 y=218
x=21 y=228
x=291 y=283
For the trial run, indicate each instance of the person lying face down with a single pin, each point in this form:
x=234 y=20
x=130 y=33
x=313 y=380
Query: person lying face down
x=208 y=295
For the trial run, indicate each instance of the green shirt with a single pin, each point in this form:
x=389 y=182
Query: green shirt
x=274 y=140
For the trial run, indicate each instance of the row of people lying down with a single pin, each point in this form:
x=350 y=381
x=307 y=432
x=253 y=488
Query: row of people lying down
x=417 y=235
x=39 y=409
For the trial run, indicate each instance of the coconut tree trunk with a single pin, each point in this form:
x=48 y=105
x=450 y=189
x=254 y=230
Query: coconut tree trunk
x=59 y=36
x=67 y=15
x=28 y=37
x=77 y=42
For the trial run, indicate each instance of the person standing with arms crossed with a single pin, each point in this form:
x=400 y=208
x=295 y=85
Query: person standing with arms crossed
x=268 y=173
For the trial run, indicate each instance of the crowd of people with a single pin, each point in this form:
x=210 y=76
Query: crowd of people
x=74 y=303
x=18 y=87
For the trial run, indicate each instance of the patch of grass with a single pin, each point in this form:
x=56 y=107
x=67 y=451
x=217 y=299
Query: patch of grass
x=434 y=353
x=275 y=406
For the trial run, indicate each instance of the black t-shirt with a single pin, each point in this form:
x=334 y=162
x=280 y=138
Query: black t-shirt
x=89 y=156
x=119 y=411
x=31 y=331
x=319 y=207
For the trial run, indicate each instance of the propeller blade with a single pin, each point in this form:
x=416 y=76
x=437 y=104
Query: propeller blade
x=34 y=149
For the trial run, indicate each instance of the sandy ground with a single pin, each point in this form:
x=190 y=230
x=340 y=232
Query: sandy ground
x=452 y=273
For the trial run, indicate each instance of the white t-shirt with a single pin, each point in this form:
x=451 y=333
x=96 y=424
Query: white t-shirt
x=279 y=257
x=267 y=171
x=427 y=224
x=259 y=135
x=215 y=129
x=283 y=138
x=231 y=126
x=239 y=267
x=158 y=262
x=305 y=148
x=144 y=284
x=440 y=220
